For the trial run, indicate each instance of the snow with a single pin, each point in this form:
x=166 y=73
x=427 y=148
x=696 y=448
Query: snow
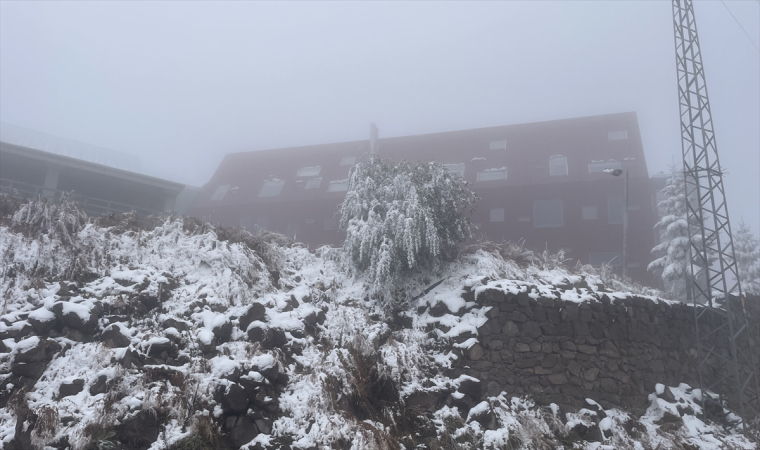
x=219 y=280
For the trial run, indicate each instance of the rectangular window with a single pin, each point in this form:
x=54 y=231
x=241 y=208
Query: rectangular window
x=617 y=135
x=331 y=223
x=348 y=161
x=597 y=258
x=498 y=145
x=308 y=171
x=589 y=213
x=271 y=188
x=557 y=166
x=548 y=214
x=599 y=166
x=615 y=209
x=313 y=183
x=219 y=192
x=338 y=186
x=497 y=214
x=493 y=174
x=455 y=169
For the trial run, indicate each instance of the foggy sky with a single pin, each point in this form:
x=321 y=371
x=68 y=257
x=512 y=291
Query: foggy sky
x=180 y=84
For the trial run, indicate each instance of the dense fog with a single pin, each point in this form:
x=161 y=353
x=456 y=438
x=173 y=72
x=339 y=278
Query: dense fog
x=180 y=84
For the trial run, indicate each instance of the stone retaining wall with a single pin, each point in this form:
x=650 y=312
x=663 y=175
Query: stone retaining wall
x=613 y=351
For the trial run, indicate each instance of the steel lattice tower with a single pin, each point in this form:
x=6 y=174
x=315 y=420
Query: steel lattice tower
x=725 y=355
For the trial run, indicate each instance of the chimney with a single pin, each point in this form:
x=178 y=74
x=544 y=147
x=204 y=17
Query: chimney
x=373 y=139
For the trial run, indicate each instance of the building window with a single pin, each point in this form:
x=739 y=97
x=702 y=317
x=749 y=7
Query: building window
x=292 y=230
x=617 y=135
x=338 y=186
x=558 y=166
x=313 y=183
x=548 y=214
x=600 y=166
x=615 y=207
x=455 y=169
x=493 y=174
x=271 y=188
x=331 y=223
x=589 y=213
x=597 y=258
x=498 y=145
x=497 y=214
x=308 y=171
x=348 y=161
x=220 y=192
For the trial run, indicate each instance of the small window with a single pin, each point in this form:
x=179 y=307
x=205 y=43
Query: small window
x=220 y=192
x=271 y=188
x=313 y=183
x=497 y=214
x=615 y=209
x=597 y=258
x=498 y=145
x=557 y=166
x=548 y=214
x=600 y=166
x=331 y=223
x=455 y=169
x=589 y=213
x=348 y=161
x=308 y=171
x=617 y=135
x=338 y=186
x=493 y=174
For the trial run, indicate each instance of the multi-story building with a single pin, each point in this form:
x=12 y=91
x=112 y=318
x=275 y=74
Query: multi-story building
x=546 y=183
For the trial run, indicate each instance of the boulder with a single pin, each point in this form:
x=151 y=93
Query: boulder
x=78 y=316
x=171 y=322
x=100 y=386
x=42 y=320
x=32 y=370
x=439 y=309
x=140 y=431
x=222 y=331
x=114 y=337
x=243 y=431
x=29 y=350
x=72 y=387
x=256 y=311
x=234 y=399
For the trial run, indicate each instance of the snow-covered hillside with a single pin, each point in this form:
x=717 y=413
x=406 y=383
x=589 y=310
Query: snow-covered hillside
x=174 y=334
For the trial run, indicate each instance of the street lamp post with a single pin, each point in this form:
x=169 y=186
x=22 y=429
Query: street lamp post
x=617 y=173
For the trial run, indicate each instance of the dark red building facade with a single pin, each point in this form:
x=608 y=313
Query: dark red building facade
x=541 y=182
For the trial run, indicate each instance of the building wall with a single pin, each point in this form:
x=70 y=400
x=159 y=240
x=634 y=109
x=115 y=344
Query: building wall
x=232 y=196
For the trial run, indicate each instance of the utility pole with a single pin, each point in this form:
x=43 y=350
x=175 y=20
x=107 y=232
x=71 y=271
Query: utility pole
x=721 y=322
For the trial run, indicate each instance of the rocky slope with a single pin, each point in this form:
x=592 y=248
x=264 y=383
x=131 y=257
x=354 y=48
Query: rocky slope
x=174 y=334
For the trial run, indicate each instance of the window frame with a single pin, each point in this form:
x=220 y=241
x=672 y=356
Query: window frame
x=479 y=177
x=336 y=183
x=309 y=171
x=270 y=184
x=554 y=158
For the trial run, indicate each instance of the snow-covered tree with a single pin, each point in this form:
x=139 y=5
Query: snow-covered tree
x=400 y=216
x=747 y=251
x=672 y=265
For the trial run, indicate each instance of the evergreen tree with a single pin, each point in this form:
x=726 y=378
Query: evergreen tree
x=747 y=251
x=672 y=266
x=402 y=216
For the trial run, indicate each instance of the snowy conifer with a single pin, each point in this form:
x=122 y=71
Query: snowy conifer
x=672 y=266
x=402 y=216
x=747 y=251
